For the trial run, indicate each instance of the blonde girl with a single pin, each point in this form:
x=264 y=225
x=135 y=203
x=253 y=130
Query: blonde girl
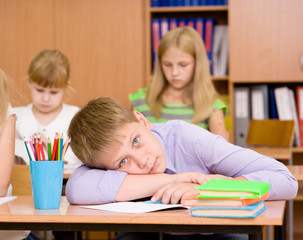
x=48 y=77
x=181 y=87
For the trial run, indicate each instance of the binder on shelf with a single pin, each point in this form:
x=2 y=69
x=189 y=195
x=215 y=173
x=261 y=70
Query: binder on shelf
x=273 y=112
x=191 y=22
x=242 y=114
x=283 y=103
x=200 y=27
x=297 y=141
x=220 y=50
x=173 y=23
x=163 y=26
x=155 y=36
x=259 y=102
x=182 y=22
x=209 y=32
x=299 y=91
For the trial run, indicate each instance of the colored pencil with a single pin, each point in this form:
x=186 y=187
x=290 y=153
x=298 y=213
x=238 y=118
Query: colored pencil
x=37 y=148
x=32 y=147
x=54 y=147
x=59 y=147
x=66 y=145
x=49 y=147
x=42 y=150
x=29 y=155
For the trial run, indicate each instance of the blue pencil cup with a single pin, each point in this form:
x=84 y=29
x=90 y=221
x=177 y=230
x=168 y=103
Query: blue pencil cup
x=46 y=179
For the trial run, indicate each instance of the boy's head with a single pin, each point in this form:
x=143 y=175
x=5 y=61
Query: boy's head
x=105 y=134
x=50 y=68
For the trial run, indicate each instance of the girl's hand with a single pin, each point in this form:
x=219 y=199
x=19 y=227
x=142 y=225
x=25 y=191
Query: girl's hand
x=172 y=193
x=196 y=177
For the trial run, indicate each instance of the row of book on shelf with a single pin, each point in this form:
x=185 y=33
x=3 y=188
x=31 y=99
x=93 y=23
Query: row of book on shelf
x=228 y=198
x=215 y=38
x=263 y=102
x=177 y=3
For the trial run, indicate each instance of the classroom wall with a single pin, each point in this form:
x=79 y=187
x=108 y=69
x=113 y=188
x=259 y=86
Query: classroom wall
x=103 y=39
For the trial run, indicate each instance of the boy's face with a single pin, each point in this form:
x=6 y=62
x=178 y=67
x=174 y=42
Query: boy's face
x=46 y=100
x=136 y=151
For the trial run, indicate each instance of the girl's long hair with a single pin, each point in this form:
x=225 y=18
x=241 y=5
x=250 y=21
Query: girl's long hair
x=4 y=98
x=201 y=90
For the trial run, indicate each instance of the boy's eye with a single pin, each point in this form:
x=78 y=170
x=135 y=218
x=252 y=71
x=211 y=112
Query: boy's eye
x=136 y=141
x=123 y=162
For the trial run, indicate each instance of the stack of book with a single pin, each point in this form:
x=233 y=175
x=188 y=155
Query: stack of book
x=228 y=198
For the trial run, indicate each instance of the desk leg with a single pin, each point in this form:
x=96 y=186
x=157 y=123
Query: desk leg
x=280 y=231
x=290 y=204
x=257 y=235
x=48 y=235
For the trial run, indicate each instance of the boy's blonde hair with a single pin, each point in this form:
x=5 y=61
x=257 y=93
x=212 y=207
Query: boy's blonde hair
x=4 y=98
x=94 y=128
x=50 y=68
x=201 y=89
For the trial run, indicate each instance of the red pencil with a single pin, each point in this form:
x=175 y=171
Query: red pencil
x=37 y=148
x=42 y=150
x=55 y=147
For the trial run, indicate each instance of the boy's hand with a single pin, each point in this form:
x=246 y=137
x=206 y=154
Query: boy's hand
x=196 y=177
x=172 y=193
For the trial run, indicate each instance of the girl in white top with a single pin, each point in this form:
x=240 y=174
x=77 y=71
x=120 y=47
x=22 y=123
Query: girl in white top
x=48 y=76
x=7 y=143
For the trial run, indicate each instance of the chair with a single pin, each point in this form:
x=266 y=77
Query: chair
x=21 y=180
x=274 y=138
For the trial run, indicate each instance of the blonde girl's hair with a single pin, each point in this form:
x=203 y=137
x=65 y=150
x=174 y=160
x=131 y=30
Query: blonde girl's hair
x=50 y=68
x=96 y=127
x=201 y=90
x=4 y=98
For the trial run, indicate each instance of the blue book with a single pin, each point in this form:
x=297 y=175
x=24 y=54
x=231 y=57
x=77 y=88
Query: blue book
x=182 y=22
x=273 y=112
x=200 y=27
x=154 y=3
x=250 y=211
x=155 y=30
x=173 y=23
x=209 y=36
x=191 y=22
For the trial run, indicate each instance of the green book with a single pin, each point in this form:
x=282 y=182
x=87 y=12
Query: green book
x=223 y=188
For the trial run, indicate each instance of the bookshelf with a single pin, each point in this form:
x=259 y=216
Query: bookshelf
x=219 y=13
x=266 y=46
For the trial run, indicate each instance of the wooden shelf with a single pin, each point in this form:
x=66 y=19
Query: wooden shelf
x=188 y=9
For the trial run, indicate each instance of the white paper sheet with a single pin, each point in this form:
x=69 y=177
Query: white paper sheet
x=133 y=207
x=7 y=199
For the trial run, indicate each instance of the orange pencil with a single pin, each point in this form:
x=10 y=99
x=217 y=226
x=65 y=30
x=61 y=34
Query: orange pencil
x=66 y=144
x=37 y=148
x=55 y=147
x=42 y=150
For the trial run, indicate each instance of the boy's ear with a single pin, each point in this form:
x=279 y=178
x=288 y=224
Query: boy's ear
x=142 y=119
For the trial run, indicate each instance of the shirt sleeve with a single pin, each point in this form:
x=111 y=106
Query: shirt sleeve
x=219 y=105
x=93 y=186
x=224 y=158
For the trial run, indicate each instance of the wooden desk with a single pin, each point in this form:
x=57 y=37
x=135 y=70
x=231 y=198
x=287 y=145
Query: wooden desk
x=67 y=172
x=20 y=214
x=296 y=171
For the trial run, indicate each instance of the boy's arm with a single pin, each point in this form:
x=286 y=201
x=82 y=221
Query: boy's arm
x=96 y=186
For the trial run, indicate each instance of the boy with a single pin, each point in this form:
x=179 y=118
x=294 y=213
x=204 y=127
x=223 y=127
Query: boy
x=128 y=158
